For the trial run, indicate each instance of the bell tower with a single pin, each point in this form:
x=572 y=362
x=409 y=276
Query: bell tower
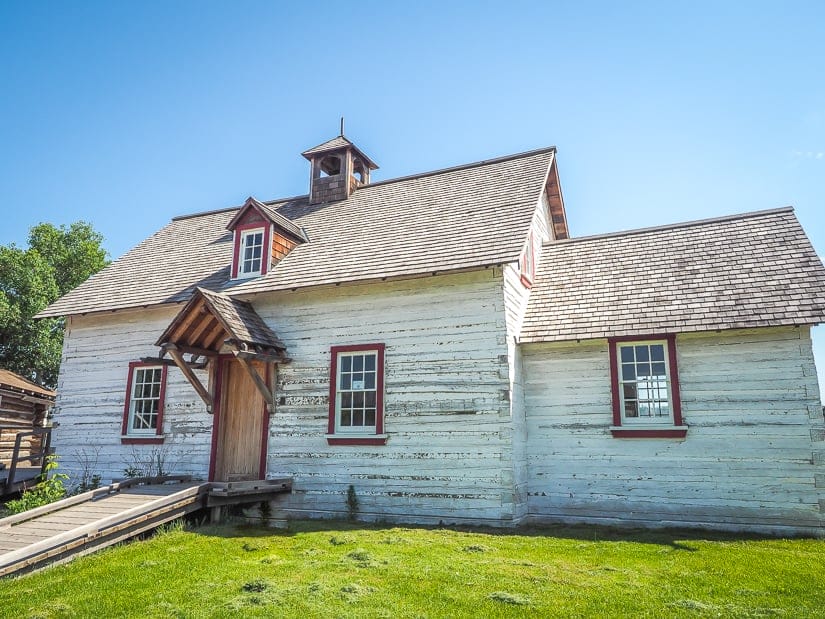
x=338 y=167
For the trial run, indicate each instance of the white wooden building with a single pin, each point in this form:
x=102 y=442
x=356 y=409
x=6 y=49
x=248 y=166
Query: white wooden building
x=439 y=343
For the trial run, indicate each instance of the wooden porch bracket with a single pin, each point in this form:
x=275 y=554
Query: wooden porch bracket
x=177 y=357
x=269 y=398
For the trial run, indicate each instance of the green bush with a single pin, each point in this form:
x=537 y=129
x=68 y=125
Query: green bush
x=49 y=488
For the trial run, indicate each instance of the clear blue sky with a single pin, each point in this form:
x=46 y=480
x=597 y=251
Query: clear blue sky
x=125 y=114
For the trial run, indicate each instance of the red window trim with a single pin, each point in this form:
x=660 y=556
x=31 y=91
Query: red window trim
x=145 y=439
x=677 y=430
x=527 y=278
x=266 y=251
x=343 y=439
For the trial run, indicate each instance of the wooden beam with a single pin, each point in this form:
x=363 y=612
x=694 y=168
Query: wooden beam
x=158 y=361
x=187 y=320
x=259 y=382
x=215 y=335
x=207 y=323
x=177 y=357
x=259 y=356
x=192 y=350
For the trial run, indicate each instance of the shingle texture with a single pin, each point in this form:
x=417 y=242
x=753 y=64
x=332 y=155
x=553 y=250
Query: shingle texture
x=15 y=382
x=466 y=217
x=243 y=322
x=752 y=270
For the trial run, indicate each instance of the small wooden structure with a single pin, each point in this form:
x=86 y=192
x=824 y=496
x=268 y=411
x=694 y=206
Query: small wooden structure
x=81 y=524
x=25 y=441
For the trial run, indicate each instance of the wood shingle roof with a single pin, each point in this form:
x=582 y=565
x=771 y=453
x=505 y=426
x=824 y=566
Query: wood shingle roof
x=466 y=217
x=752 y=270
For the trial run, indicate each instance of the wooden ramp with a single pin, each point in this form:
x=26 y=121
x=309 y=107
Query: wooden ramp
x=81 y=524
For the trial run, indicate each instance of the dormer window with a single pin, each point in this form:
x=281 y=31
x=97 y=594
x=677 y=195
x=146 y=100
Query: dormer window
x=262 y=238
x=252 y=246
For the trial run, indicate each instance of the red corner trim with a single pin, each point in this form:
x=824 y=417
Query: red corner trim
x=334 y=440
x=264 y=431
x=124 y=428
x=676 y=398
x=379 y=392
x=639 y=433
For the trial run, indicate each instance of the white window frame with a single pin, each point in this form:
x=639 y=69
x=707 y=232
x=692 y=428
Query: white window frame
x=133 y=399
x=242 y=250
x=645 y=420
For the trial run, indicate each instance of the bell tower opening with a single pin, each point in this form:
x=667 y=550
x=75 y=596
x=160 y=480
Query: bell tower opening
x=338 y=168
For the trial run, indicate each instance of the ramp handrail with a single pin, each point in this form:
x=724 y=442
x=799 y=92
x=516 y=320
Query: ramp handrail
x=91 y=529
x=45 y=446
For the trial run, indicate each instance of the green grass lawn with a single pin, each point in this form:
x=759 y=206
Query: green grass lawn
x=333 y=569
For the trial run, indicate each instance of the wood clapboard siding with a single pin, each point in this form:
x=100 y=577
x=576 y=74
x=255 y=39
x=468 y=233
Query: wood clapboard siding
x=753 y=458
x=448 y=456
x=92 y=390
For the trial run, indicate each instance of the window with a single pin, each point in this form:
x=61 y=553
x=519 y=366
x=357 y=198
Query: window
x=251 y=255
x=143 y=412
x=356 y=395
x=528 y=263
x=645 y=389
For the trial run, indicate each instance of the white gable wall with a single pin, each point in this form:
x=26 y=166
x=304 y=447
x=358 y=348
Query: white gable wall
x=753 y=458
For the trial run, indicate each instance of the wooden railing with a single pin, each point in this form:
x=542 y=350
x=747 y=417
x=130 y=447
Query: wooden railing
x=17 y=455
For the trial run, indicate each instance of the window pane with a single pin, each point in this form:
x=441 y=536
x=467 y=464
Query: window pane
x=369 y=417
x=658 y=369
x=627 y=353
x=628 y=372
x=369 y=380
x=369 y=362
x=643 y=369
x=629 y=391
x=346 y=381
x=358 y=363
x=346 y=363
x=346 y=418
x=657 y=352
x=642 y=353
x=369 y=399
x=630 y=409
x=346 y=400
x=358 y=399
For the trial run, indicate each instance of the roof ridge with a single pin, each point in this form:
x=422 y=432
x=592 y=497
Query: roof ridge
x=684 y=224
x=464 y=166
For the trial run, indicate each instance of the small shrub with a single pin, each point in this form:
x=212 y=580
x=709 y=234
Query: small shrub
x=50 y=488
x=338 y=541
x=88 y=483
x=352 y=503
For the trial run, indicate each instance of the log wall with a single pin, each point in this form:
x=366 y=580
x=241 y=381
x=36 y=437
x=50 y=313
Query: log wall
x=753 y=458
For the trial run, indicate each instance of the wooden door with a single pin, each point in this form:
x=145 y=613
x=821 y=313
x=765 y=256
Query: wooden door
x=239 y=449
